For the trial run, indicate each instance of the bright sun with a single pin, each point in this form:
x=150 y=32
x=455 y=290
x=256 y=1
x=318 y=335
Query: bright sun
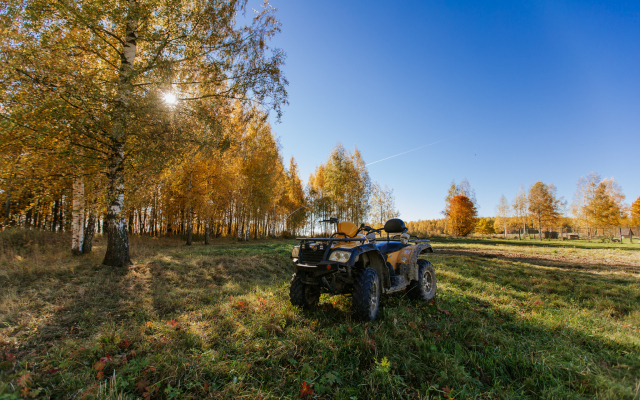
x=170 y=98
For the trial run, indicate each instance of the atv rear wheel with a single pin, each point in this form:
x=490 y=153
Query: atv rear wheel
x=425 y=287
x=366 y=295
x=301 y=294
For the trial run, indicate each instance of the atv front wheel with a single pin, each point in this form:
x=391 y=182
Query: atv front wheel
x=301 y=294
x=425 y=287
x=366 y=295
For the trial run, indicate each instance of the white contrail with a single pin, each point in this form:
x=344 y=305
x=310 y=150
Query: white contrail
x=417 y=148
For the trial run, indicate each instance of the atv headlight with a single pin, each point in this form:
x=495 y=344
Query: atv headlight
x=340 y=256
x=295 y=252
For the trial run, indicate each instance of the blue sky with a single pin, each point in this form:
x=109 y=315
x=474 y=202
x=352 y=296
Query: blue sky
x=515 y=91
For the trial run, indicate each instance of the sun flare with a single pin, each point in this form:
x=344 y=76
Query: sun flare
x=170 y=98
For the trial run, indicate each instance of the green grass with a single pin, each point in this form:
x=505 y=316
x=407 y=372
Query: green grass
x=511 y=320
x=535 y=242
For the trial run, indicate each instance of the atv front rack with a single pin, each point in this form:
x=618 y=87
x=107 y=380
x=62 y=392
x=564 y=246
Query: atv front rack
x=330 y=241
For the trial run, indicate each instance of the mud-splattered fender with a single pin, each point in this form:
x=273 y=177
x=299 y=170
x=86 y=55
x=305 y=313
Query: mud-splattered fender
x=409 y=259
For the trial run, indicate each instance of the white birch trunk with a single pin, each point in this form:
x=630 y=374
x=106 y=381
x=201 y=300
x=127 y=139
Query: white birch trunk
x=117 y=254
x=190 y=214
x=89 y=231
x=77 y=216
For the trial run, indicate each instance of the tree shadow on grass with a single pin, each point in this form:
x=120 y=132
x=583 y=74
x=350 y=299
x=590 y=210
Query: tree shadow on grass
x=480 y=349
x=182 y=282
x=73 y=301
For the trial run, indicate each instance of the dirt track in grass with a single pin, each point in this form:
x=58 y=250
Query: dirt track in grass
x=591 y=259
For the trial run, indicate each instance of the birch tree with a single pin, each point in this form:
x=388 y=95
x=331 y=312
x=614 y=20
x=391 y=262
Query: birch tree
x=463 y=189
x=503 y=209
x=77 y=223
x=585 y=192
x=383 y=206
x=544 y=205
x=295 y=198
x=520 y=208
x=103 y=69
x=597 y=201
x=605 y=210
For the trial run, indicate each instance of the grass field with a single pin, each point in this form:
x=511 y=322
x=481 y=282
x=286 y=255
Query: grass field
x=511 y=320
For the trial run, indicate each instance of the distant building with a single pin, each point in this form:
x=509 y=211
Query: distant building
x=625 y=233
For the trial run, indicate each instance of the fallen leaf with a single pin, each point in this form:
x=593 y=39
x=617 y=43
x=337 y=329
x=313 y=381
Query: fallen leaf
x=306 y=390
x=141 y=385
x=444 y=311
x=99 y=366
x=24 y=380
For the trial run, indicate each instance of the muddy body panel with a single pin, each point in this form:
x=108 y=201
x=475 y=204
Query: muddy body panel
x=407 y=260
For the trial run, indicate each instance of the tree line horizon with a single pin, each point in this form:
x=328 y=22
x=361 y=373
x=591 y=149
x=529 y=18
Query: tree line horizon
x=598 y=205
x=91 y=144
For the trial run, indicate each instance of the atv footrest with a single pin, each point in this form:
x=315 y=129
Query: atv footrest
x=398 y=280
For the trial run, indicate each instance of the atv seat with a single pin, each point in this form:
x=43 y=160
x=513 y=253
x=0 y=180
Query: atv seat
x=349 y=229
x=389 y=247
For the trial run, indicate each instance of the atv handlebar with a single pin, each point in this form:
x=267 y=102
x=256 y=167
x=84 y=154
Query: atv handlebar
x=368 y=229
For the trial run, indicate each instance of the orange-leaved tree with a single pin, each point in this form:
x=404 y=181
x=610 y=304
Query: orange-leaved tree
x=544 y=205
x=604 y=208
x=461 y=214
x=635 y=212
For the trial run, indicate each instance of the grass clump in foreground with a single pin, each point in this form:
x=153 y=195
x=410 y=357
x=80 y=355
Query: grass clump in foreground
x=215 y=322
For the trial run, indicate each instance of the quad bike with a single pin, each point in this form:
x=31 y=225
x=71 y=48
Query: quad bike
x=366 y=267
